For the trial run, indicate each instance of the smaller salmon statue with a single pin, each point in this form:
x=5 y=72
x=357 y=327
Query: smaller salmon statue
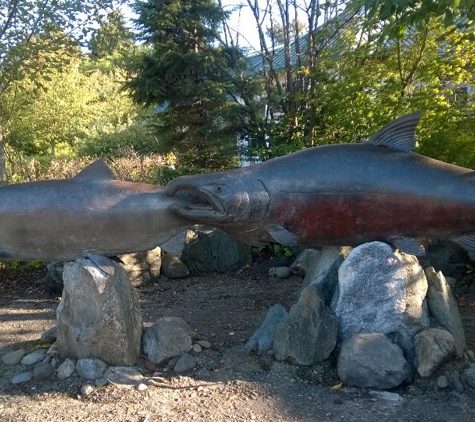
x=92 y=215
x=341 y=194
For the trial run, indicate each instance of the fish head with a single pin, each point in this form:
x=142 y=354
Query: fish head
x=220 y=199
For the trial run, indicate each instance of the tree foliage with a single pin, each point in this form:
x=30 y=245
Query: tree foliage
x=29 y=31
x=195 y=82
x=365 y=63
x=113 y=37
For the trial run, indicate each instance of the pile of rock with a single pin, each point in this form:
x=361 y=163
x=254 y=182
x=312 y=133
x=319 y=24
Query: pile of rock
x=373 y=308
x=99 y=334
x=199 y=250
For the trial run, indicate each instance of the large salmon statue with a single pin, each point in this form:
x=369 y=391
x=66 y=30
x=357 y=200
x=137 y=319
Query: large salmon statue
x=342 y=194
x=91 y=215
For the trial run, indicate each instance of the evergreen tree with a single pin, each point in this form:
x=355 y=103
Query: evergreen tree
x=112 y=37
x=193 y=80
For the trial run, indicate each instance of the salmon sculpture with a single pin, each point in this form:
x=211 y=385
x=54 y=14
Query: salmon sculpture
x=91 y=215
x=342 y=194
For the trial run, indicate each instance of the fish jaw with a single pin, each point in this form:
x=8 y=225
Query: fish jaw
x=219 y=199
x=200 y=205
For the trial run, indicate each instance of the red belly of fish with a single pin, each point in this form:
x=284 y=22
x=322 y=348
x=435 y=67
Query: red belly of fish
x=350 y=219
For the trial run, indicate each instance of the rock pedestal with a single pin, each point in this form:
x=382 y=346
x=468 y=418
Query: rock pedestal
x=382 y=291
x=209 y=250
x=142 y=267
x=443 y=308
x=308 y=334
x=99 y=315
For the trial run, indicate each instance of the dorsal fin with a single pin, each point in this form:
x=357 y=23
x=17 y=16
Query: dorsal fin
x=96 y=170
x=399 y=134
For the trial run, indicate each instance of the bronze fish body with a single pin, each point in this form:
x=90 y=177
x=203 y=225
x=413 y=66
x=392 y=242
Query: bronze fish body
x=341 y=194
x=92 y=214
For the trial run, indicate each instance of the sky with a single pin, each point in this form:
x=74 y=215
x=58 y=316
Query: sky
x=243 y=23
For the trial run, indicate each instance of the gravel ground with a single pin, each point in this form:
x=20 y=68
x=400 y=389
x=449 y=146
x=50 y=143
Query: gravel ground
x=227 y=384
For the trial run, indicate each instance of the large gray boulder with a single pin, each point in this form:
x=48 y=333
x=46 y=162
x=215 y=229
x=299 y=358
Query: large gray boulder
x=263 y=339
x=433 y=347
x=371 y=360
x=322 y=270
x=142 y=267
x=209 y=250
x=308 y=334
x=444 y=309
x=382 y=291
x=167 y=338
x=99 y=315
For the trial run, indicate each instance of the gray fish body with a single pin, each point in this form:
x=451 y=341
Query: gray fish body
x=343 y=194
x=92 y=213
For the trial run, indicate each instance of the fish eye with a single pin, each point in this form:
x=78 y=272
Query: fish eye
x=220 y=189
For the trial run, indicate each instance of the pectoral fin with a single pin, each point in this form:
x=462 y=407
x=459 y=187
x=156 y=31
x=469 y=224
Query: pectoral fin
x=467 y=242
x=103 y=263
x=408 y=245
x=281 y=235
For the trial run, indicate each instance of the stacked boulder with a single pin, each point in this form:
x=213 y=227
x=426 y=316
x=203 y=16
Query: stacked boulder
x=375 y=309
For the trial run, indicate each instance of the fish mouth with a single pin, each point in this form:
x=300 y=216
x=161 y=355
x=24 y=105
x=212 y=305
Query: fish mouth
x=198 y=204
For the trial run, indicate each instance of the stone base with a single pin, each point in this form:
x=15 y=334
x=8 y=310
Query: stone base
x=99 y=315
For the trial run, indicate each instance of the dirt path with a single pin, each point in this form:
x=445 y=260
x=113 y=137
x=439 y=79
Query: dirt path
x=227 y=384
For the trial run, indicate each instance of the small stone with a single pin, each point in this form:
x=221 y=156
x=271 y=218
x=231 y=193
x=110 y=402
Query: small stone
x=458 y=387
x=90 y=368
x=66 y=369
x=47 y=359
x=13 y=358
x=173 y=267
x=123 y=375
x=470 y=354
x=23 y=377
x=141 y=387
x=469 y=375
x=43 y=370
x=53 y=350
x=185 y=363
x=451 y=281
x=371 y=360
x=433 y=347
x=263 y=339
x=387 y=396
x=49 y=336
x=205 y=344
x=279 y=272
x=442 y=381
x=168 y=337
x=101 y=382
x=87 y=389
x=197 y=348
x=304 y=260
x=171 y=363
x=34 y=357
